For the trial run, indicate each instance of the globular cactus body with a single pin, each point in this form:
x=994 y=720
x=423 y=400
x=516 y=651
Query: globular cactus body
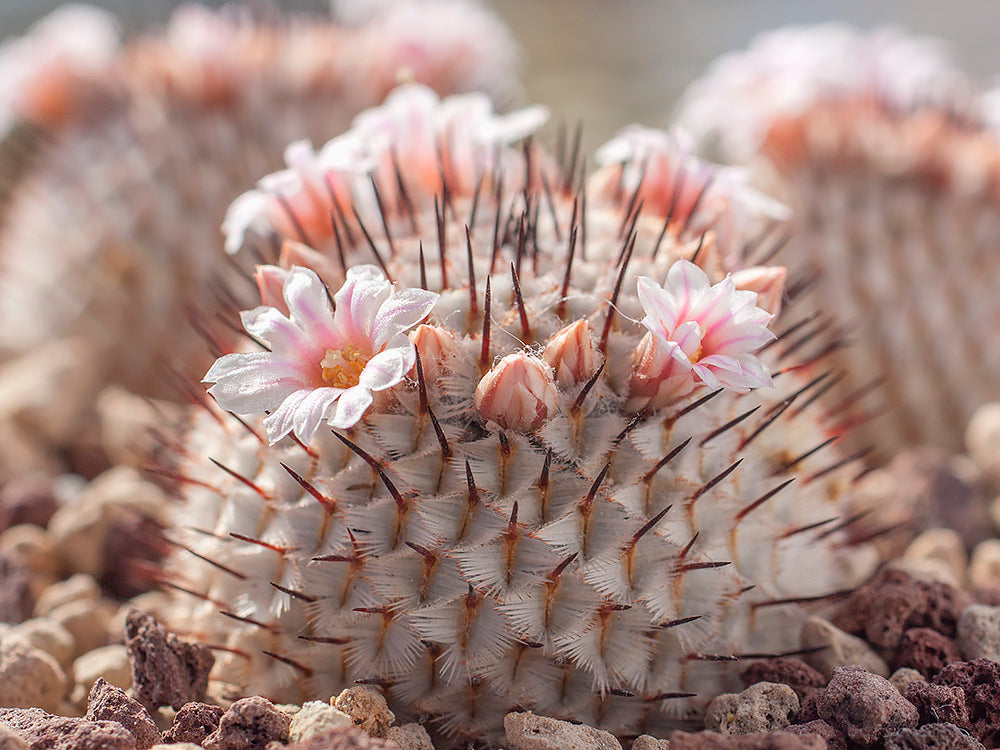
x=510 y=520
x=876 y=143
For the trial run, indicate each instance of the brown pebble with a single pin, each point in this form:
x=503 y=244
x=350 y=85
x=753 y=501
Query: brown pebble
x=134 y=542
x=526 y=731
x=758 y=741
x=193 y=723
x=249 y=724
x=341 y=738
x=864 y=706
x=785 y=670
x=932 y=737
x=938 y=703
x=27 y=499
x=648 y=742
x=42 y=731
x=926 y=651
x=367 y=708
x=16 y=601
x=109 y=703
x=834 y=738
x=166 y=671
x=979 y=679
x=10 y=741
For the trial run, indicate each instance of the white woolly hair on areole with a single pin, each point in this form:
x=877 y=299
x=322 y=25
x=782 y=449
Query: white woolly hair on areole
x=558 y=493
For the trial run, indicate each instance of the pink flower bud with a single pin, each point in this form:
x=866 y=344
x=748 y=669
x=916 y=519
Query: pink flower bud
x=570 y=351
x=767 y=281
x=435 y=345
x=518 y=393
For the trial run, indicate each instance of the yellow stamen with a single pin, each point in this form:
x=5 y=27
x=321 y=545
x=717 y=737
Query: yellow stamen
x=342 y=367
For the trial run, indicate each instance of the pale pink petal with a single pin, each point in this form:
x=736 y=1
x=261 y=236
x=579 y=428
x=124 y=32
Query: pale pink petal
x=308 y=304
x=244 y=213
x=384 y=370
x=312 y=410
x=282 y=420
x=351 y=407
x=659 y=306
x=249 y=383
x=278 y=332
x=400 y=313
x=358 y=301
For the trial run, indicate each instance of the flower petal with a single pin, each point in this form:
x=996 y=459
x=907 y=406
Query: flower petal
x=308 y=304
x=282 y=420
x=351 y=407
x=400 y=313
x=252 y=382
x=312 y=410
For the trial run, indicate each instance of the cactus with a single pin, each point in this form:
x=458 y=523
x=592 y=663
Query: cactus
x=876 y=143
x=589 y=482
x=109 y=239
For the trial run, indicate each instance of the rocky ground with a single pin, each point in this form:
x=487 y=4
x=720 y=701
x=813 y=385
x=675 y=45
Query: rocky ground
x=909 y=660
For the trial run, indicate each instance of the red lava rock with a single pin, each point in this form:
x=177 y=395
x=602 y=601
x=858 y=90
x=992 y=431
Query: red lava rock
x=15 y=592
x=834 y=738
x=795 y=673
x=932 y=737
x=926 y=651
x=249 y=724
x=43 y=731
x=166 y=671
x=341 y=738
x=864 y=706
x=107 y=702
x=809 y=705
x=757 y=741
x=27 y=499
x=979 y=679
x=193 y=723
x=938 y=703
x=885 y=608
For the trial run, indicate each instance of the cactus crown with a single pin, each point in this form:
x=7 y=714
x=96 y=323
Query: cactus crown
x=591 y=479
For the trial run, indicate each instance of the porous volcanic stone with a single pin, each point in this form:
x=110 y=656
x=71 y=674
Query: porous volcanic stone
x=864 y=706
x=166 y=671
x=107 y=702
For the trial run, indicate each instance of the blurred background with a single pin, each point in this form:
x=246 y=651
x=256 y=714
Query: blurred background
x=613 y=62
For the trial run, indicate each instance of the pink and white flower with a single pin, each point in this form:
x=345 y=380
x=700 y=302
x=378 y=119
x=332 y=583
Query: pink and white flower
x=700 y=335
x=323 y=363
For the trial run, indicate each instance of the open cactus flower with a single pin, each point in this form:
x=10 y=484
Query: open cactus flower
x=700 y=334
x=323 y=364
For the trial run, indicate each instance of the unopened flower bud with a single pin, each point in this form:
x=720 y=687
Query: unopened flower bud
x=435 y=346
x=767 y=281
x=570 y=351
x=657 y=379
x=518 y=394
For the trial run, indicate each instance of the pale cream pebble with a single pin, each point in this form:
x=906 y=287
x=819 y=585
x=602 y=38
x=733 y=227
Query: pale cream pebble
x=81 y=528
x=526 y=731
x=982 y=440
x=163 y=717
x=315 y=718
x=762 y=707
x=903 y=677
x=109 y=662
x=178 y=746
x=289 y=709
x=30 y=678
x=839 y=649
x=927 y=569
x=87 y=621
x=367 y=708
x=410 y=737
x=79 y=587
x=942 y=546
x=984 y=565
x=10 y=741
x=979 y=632
x=648 y=742
x=35 y=550
x=48 y=635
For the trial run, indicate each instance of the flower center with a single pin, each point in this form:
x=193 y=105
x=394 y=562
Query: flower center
x=342 y=368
